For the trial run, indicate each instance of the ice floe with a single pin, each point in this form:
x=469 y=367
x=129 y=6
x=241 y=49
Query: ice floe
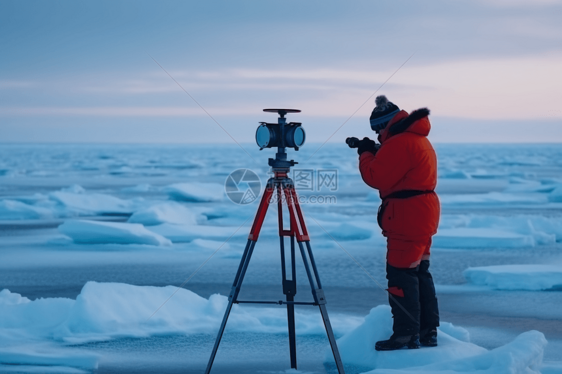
x=518 y=185
x=68 y=202
x=483 y=231
x=48 y=360
x=453 y=174
x=91 y=232
x=16 y=210
x=516 y=277
x=210 y=244
x=80 y=203
x=480 y=238
x=523 y=355
x=341 y=227
x=139 y=188
x=351 y=231
x=196 y=192
x=188 y=233
x=169 y=212
x=104 y=311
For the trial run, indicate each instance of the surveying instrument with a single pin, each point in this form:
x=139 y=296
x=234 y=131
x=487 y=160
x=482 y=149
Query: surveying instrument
x=281 y=188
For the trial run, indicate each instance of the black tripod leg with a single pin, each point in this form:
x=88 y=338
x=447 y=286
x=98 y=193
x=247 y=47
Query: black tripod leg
x=232 y=298
x=292 y=337
x=318 y=294
x=289 y=285
x=290 y=289
x=331 y=336
x=291 y=308
x=313 y=263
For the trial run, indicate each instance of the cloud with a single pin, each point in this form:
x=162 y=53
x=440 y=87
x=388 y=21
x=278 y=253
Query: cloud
x=501 y=88
x=526 y=87
x=116 y=111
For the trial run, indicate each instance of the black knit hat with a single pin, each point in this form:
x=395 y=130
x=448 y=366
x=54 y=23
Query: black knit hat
x=383 y=112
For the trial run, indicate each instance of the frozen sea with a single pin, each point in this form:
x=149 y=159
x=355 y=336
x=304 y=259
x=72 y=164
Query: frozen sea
x=96 y=238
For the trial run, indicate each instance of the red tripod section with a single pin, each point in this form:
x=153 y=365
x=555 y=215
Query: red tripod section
x=298 y=226
x=300 y=215
x=260 y=215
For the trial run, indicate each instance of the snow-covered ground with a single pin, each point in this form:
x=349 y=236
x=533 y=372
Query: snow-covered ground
x=97 y=239
x=517 y=277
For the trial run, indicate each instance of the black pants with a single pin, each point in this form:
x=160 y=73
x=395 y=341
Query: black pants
x=412 y=299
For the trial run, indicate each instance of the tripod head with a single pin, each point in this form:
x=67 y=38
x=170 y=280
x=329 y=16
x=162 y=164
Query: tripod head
x=282 y=112
x=281 y=135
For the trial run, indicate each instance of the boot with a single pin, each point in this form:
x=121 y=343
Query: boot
x=398 y=342
x=429 y=317
x=429 y=338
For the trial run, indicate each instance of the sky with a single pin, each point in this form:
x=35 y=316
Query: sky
x=111 y=71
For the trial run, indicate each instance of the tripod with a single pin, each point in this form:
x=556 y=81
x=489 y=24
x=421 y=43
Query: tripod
x=282 y=188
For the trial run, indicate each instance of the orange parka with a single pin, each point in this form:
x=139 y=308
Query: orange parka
x=406 y=161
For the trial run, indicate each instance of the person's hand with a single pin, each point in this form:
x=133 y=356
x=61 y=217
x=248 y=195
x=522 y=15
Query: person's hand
x=367 y=145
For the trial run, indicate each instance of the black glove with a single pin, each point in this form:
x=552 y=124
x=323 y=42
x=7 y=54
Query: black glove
x=367 y=145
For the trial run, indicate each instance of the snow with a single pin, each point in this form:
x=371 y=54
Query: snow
x=8 y=298
x=24 y=323
x=519 y=185
x=188 y=233
x=79 y=360
x=195 y=192
x=15 y=210
x=106 y=311
x=139 y=188
x=90 y=232
x=523 y=355
x=492 y=199
x=357 y=347
x=487 y=231
x=68 y=202
x=210 y=244
x=41 y=369
x=350 y=231
x=480 y=238
x=516 y=277
x=90 y=204
x=165 y=213
x=32 y=316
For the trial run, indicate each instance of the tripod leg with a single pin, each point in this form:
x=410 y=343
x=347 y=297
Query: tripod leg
x=289 y=285
x=232 y=298
x=297 y=219
x=331 y=337
x=292 y=336
x=318 y=294
x=313 y=263
x=291 y=308
x=244 y=262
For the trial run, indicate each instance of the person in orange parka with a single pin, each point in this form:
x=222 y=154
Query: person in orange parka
x=404 y=170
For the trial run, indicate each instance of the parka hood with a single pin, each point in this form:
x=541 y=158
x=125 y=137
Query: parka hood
x=416 y=122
